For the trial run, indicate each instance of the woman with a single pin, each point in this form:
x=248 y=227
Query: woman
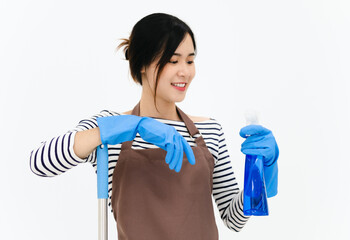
x=149 y=200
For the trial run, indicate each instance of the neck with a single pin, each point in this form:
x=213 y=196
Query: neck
x=166 y=110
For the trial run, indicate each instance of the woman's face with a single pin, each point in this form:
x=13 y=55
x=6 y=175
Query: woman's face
x=180 y=69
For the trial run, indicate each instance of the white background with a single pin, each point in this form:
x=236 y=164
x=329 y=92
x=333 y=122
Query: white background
x=287 y=59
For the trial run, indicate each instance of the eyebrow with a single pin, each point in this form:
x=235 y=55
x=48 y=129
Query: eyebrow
x=178 y=54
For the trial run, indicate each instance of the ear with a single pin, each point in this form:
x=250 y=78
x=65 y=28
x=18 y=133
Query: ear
x=143 y=70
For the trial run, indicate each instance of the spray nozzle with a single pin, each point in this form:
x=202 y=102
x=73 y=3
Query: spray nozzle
x=251 y=117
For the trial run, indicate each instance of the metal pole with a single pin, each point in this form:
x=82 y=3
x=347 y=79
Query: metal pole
x=102 y=219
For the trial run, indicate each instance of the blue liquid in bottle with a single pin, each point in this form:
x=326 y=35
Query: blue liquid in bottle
x=255 y=197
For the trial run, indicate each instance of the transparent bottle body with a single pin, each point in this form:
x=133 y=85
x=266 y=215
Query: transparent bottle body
x=255 y=197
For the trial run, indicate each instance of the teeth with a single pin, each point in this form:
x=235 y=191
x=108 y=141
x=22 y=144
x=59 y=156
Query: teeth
x=178 y=85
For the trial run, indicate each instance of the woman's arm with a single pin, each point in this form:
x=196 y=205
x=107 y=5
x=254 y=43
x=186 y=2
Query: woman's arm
x=86 y=141
x=63 y=152
x=227 y=195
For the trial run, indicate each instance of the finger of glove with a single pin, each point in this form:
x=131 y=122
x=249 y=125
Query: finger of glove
x=257 y=142
x=256 y=138
x=270 y=156
x=277 y=153
x=251 y=130
x=170 y=152
x=188 y=151
x=254 y=151
x=267 y=153
x=268 y=143
x=265 y=141
x=179 y=162
x=175 y=158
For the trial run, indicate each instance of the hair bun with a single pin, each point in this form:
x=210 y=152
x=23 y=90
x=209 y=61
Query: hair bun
x=126 y=54
x=125 y=43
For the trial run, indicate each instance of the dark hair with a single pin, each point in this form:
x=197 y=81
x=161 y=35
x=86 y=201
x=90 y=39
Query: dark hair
x=156 y=35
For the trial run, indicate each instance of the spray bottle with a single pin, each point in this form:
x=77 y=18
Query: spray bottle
x=255 y=197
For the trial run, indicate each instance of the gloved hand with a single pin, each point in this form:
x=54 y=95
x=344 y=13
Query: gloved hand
x=260 y=141
x=167 y=138
x=118 y=129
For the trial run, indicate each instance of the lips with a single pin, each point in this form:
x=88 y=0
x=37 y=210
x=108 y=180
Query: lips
x=179 y=88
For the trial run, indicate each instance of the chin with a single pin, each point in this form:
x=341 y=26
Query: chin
x=178 y=99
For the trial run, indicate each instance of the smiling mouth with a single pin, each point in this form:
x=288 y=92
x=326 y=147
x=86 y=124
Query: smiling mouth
x=179 y=86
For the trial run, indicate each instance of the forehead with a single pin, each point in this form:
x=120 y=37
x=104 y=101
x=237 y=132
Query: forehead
x=185 y=47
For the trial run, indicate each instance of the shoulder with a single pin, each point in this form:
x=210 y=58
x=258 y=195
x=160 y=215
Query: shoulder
x=198 y=118
x=127 y=112
x=106 y=113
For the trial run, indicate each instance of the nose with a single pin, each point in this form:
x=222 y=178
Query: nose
x=185 y=70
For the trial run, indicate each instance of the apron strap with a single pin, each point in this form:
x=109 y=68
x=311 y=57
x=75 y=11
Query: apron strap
x=188 y=122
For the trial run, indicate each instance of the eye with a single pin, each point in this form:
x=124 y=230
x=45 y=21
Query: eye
x=173 y=62
x=190 y=62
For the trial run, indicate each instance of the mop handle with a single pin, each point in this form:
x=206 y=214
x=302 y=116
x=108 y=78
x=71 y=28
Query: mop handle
x=102 y=191
x=102 y=172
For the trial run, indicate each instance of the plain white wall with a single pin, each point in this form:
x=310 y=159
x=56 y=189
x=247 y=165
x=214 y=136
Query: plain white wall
x=287 y=59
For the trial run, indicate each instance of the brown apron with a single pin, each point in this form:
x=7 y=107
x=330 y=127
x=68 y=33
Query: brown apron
x=152 y=202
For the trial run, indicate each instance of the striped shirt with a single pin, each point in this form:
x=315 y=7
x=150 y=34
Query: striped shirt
x=56 y=156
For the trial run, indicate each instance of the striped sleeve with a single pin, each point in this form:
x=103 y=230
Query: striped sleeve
x=228 y=197
x=56 y=156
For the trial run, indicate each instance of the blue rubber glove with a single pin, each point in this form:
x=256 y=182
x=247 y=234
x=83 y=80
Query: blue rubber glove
x=167 y=138
x=260 y=141
x=118 y=129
